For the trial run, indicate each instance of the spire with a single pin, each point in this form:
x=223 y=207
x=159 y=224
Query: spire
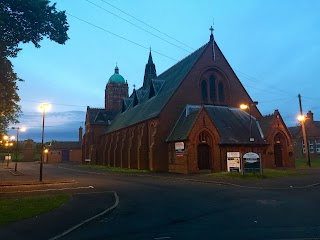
x=150 y=61
x=212 y=40
x=150 y=72
x=116 y=69
x=211 y=35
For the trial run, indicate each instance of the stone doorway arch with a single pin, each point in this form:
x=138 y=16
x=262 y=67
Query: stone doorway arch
x=204 y=156
x=204 y=151
x=279 y=148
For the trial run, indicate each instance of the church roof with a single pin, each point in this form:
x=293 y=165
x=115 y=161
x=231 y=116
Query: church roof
x=100 y=115
x=165 y=86
x=265 y=123
x=232 y=124
x=116 y=77
x=184 y=125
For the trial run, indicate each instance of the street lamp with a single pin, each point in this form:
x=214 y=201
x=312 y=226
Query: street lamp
x=22 y=129
x=43 y=107
x=302 y=119
x=8 y=144
x=248 y=107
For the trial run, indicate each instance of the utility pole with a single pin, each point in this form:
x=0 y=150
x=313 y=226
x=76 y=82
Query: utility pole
x=304 y=134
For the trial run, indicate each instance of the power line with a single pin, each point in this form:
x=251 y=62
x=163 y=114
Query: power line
x=147 y=24
x=114 y=34
x=261 y=82
x=137 y=26
x=61 y=104
x=89 y=23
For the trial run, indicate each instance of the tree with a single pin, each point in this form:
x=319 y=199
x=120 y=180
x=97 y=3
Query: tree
x=23 y=21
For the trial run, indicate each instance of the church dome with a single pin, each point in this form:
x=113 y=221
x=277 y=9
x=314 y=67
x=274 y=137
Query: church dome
x=116 y=77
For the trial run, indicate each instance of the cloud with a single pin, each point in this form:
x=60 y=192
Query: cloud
x=61 y=126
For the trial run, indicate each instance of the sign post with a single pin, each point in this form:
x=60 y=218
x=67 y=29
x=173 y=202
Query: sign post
x=251 y=162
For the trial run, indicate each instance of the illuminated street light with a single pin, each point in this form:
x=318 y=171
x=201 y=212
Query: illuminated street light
x=22 y=129
x=43 y=107
x=302 y=119
x=8 y=143
x=245 y=107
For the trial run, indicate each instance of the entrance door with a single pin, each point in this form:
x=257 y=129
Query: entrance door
x=65 y=155
x=278 y=155
x=203 y=156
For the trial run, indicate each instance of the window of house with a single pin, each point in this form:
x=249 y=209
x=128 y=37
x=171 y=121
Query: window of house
x=212 y=82
x=311 y=146
x=204 y=91
x=318 y=146
x=303 y=147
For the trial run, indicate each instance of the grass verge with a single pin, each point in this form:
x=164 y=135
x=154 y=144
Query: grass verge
x=18 y=208
x=114 y=169
x=302 y=163
x=267 y=173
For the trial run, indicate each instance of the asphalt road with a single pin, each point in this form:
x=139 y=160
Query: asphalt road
x=162 y=208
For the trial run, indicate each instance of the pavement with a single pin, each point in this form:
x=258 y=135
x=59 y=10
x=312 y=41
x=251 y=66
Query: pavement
x=28 y=174
x=26 y=180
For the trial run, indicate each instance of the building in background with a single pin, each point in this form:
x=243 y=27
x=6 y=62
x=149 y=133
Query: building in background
x=185 y=120
x=313 y=138
x=65 y=151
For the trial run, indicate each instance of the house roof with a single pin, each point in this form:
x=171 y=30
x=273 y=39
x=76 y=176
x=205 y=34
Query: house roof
x=294 y=130
x=65 y=145
x=166 y=85
x=232 y=124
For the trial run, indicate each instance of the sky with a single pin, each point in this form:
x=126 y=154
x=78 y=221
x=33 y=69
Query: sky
x=273 y=46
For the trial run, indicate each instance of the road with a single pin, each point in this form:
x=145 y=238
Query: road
x=163 y=208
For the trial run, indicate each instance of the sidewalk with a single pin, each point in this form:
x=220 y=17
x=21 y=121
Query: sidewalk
x=28 y=174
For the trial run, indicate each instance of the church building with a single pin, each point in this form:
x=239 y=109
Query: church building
x=184 y=120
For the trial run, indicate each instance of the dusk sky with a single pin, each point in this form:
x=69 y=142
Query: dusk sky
x=273 y=46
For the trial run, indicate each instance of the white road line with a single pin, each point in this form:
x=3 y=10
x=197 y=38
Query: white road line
x=48 y=190
x=158 y=238
x=89 y=219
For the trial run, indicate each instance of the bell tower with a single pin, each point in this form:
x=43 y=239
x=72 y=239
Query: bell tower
x=116 y=90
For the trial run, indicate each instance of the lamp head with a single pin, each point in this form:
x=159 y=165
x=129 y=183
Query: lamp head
x=301 y=118
x=244 y=106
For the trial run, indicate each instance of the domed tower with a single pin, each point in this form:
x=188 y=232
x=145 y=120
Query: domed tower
x=116 y=91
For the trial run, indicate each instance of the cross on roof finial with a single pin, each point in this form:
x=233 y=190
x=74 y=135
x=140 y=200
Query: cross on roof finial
x=211 y=30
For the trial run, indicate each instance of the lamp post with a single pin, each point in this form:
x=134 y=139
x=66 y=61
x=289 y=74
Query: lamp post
x=17 y=138
x=43 y=108
x=7 y=145
x=301 y=118
x=248 y=107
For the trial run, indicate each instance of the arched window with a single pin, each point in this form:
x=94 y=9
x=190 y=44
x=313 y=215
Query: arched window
x=221 y=92
x=204 y=137
x=212 y=82
x=204 y=91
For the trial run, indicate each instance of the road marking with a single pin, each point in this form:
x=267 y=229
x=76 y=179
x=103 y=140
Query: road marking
x=49 y=189
x=89 y=219
x=158 y=238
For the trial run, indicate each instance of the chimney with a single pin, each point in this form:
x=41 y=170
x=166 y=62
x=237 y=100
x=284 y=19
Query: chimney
x=80 y=134
x=310 y=115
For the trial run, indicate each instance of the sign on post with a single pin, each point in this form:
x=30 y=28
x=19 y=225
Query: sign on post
x=179 y=147
x=251 y=162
